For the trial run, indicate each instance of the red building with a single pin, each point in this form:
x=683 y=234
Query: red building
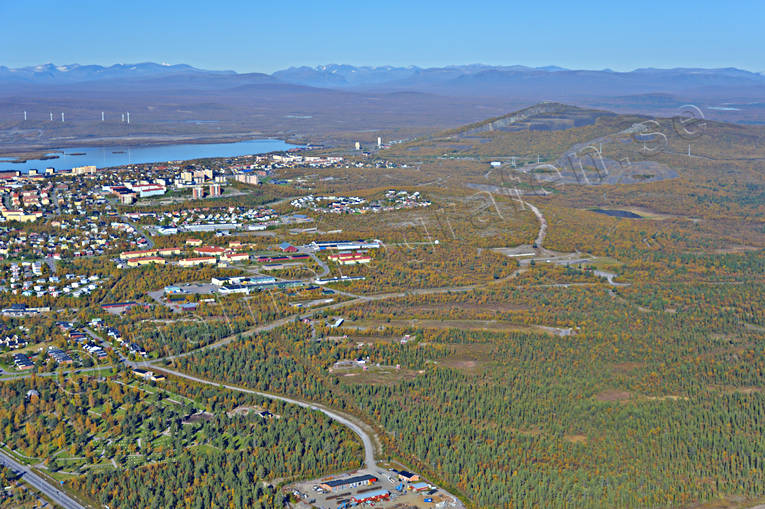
x=371 y=496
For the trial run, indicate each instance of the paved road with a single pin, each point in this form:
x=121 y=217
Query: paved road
x=366 y=438
x=140 y=231
x=56 y=495
x=322 y=265
x=106 y=345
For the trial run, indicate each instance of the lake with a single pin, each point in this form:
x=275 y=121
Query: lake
x=103 y=157
x=618 y=213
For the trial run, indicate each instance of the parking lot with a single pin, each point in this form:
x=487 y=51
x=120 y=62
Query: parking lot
x=401 y=493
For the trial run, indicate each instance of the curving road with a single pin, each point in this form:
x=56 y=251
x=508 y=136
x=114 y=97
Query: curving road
x=54 y=494
x=366 y=438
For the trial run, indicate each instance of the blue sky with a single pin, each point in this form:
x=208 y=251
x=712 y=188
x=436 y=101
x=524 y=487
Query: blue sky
x=265 y=35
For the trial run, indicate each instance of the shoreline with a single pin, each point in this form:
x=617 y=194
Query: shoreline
x=42 y=152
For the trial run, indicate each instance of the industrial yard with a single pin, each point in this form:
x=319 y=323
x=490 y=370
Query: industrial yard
x=392 y=488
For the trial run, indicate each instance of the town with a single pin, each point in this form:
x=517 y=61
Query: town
x=334 y=255
x=73 y=239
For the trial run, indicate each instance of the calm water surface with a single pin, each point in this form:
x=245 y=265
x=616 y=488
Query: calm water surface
x=103 y=157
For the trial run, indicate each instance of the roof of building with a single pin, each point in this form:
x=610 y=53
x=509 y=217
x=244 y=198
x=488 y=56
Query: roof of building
x=372 y=494
x=147 y=259
x=350 y=480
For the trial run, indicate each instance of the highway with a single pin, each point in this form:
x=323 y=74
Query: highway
x=49 y=490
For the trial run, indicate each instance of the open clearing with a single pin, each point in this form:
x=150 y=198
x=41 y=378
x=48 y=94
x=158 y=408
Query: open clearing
x=374 y=375
x=489 y=325
x=613 y=395
x=470 y=358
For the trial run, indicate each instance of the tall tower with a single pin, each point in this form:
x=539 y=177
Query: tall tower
x=379 y=142
x=358 y=146
x=128 y=117
x=102 y=116
x=51 y=116
x=25 y=116
x=62 y=116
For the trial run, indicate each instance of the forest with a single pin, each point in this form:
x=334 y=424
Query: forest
x=510 y=342
x=126 y=443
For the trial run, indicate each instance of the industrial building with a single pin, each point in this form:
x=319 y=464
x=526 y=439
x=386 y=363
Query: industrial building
x=242 y=280
x=147 y=190
x=371 y=496
x=211 y=227
x=231 y=289
x=287 y=247
x=405 y=476
x=344 y=245
x=348 y=482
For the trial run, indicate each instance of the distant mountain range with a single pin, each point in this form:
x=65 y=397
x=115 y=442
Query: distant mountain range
x=51 y=73
x=530 y=81
x=336 y=75
x=457 y=80
x=324 y=102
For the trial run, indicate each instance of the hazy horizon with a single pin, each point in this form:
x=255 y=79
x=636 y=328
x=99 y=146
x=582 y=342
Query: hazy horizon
x=380 y=66
x=257 y=37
